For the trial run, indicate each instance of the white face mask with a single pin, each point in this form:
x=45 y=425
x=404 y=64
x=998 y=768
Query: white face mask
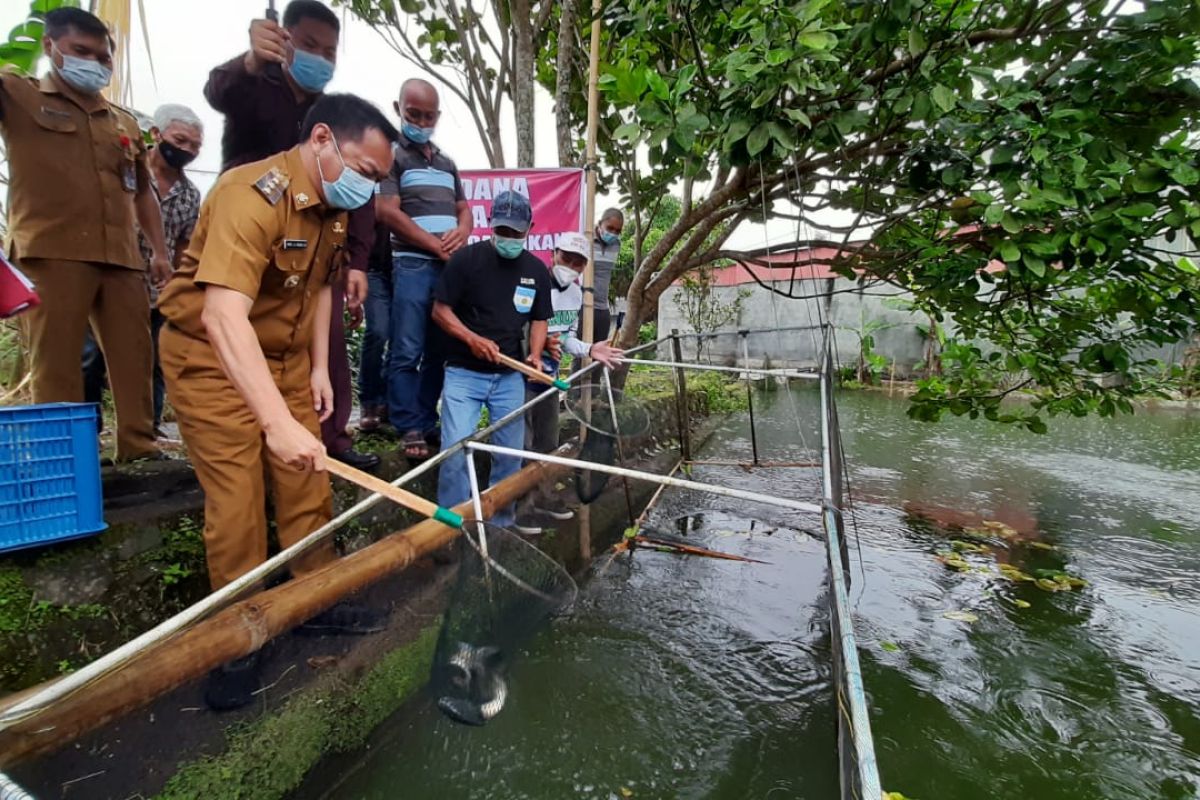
x=565 y=275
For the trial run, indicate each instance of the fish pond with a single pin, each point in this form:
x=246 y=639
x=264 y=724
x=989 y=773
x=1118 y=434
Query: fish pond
x=1027 y=609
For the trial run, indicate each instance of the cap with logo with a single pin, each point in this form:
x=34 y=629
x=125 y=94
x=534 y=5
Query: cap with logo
x=575 y=243
x=511 y=210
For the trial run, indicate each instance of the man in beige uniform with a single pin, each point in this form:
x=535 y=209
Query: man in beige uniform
x=245 y=351
x=78 y=183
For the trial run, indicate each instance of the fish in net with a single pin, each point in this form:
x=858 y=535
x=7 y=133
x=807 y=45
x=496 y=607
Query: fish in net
x=612 y=422
x=505 y=589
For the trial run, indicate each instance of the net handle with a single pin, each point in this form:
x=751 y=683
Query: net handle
x=412 y=502
x=533 y=374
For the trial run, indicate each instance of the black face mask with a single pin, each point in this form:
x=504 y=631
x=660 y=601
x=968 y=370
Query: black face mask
x=176 y=157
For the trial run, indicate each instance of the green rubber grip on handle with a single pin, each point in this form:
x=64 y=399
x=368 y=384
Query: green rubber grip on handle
x=448 y=517
x=561 y=385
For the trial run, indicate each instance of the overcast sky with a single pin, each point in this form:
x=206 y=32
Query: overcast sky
x=189 y=39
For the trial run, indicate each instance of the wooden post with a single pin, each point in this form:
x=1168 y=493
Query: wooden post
x=681 y=399
x=588 y=323
x=242 y=628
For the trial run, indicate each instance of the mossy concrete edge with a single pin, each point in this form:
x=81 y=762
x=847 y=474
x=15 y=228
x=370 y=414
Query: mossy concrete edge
x=270 y=757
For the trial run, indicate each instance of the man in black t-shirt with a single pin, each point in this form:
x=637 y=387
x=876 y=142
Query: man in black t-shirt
x=485 y=296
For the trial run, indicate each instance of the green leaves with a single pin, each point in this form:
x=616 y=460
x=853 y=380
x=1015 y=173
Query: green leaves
x=943 y=97
x=758 y=139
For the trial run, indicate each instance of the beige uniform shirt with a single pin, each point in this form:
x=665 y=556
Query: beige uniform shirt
x=75 y=166
x=264 y=232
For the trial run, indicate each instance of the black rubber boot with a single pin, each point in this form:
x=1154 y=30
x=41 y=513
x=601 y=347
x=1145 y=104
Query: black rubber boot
x=232 y=686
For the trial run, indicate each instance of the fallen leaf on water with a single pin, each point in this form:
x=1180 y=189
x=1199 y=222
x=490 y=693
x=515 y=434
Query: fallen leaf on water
x=961 y=616
x=1042 y=545
x=890 y=647
x=895 y=796
x=626 y=792
x=1022 y=604
x=969 y=547
x=1014 y=573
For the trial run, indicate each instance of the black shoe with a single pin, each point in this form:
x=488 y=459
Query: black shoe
x=433 y=438
x=233 y=685
x=367 y=462
x=345 y=618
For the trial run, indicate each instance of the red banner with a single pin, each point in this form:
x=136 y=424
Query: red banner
x=556 y=196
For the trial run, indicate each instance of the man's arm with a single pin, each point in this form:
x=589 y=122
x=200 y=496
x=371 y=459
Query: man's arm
x=481 y=348
x=360 y=240
x=456 y=239
x=537 y=341
x=318 y=352
x=149 y=220
x=387 y=209
x=226 y=319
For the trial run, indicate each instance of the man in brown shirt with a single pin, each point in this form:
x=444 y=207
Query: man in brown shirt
x=78 y=183
x=264 y=94
x=245 y=349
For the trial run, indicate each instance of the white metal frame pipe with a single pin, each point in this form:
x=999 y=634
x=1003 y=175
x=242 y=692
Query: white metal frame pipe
x=773 y=373
x=722 y=491
x=117 y=658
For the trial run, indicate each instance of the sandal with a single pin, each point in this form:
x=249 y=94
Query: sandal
x=415 y=446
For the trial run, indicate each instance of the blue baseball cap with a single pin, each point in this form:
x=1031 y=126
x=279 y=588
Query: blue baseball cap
x=511 y=210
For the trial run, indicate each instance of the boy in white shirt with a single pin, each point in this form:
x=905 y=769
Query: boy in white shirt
x=541 y=421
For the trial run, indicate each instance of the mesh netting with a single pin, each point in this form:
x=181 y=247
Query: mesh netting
x=612 y=420
x=498 y=601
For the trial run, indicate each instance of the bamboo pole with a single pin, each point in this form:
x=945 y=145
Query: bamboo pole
x=588 y=323
x=241 y=629
x=682 y=411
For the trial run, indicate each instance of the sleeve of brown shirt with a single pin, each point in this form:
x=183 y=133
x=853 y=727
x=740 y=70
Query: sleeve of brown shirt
x=238 y=246
x=360 y=236
x=230 y=88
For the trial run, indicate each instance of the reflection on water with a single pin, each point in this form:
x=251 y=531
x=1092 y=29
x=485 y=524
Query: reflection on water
x=696 y=678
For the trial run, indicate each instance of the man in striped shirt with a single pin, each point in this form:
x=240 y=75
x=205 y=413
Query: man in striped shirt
x=423 y=205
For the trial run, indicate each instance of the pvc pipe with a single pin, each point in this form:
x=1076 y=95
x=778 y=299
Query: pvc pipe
x=722 y=491
x=776 y=373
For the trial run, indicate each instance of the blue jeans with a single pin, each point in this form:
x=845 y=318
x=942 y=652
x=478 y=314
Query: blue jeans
x=466 y=394
x=412 y=369
x=372 y=369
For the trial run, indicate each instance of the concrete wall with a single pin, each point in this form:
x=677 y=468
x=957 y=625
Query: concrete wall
x=852 y=310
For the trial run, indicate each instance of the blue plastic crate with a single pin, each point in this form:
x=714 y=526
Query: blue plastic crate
x=49 y=474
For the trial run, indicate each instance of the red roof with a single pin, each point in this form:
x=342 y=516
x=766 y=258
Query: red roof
x=805 y=264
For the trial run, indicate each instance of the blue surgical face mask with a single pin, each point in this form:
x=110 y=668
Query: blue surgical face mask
x=508 y=248
x=415 y=133
x=351 y=190
x=83 y=74
x=310 y=71
x=610 y=238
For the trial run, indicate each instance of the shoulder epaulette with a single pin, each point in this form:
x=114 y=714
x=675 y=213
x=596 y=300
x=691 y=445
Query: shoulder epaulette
x=272 y=184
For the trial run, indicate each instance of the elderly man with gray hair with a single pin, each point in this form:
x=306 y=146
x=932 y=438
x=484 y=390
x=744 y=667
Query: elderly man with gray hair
x=177 y=134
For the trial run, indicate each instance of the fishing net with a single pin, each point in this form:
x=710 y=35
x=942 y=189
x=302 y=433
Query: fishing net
x=612 y=422
x=505 y=589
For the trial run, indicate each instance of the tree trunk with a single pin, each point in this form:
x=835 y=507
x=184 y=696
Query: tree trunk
x=565 y=64
x=524 y=76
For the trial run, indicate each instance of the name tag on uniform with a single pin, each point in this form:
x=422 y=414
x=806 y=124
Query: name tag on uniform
x=523 y=299
x=129 y=176
x=295 y=244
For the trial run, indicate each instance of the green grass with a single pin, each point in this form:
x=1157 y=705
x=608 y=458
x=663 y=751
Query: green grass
x=269 y=757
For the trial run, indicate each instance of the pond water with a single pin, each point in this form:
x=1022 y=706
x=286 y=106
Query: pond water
x=697 y=678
